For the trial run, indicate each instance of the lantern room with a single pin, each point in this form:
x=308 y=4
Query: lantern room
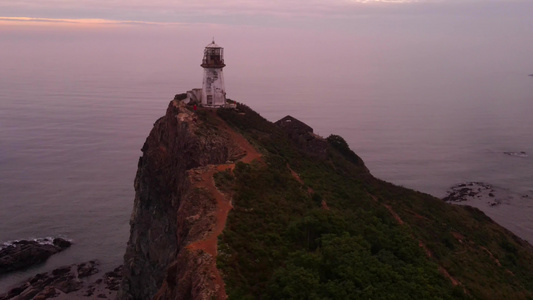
x=213 y=90
x=213 y=56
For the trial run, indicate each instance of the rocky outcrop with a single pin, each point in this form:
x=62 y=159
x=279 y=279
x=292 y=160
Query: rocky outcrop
x=480 y=191
x=304 y=138
x=522 y=154
x=169 y=212
x=68 y=282
x=22 y=254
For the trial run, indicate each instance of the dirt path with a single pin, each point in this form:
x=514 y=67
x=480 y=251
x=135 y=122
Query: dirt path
x=223 y=201
x=309 y=189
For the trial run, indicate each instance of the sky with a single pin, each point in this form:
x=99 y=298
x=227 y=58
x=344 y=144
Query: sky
x=269 y=13
x=334 y=34
x=338 y=36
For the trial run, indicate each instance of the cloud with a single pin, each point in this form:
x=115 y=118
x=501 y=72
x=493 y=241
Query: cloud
x=235 y=12
x=79 y=21
x=164 y=10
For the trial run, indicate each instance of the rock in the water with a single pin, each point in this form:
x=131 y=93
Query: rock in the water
x=70 y=281
x=473 y=192
x=522 y=154
x=468 y=191
x=62 y=243
x=22 y=254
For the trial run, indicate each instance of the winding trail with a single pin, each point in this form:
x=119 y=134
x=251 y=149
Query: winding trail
x=223 y=201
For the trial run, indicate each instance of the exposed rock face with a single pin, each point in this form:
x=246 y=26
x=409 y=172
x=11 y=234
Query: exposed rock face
x=302 y=135
x=23 y=254
x=168 y=212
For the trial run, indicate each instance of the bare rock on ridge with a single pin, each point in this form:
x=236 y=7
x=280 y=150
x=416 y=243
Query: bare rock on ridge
x=303 y=136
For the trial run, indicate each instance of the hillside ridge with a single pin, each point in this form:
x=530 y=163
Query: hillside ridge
x=230 y=205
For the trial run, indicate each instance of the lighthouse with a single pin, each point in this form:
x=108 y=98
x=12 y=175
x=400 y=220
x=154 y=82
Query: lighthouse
x=213 y=90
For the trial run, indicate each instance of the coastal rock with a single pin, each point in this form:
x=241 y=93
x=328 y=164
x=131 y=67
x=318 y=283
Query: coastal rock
x=471 y=190
x=516 y=154
x=22 y=254
x=63 y=280
x=476 y=193
x=112 y=279
x=180 y=141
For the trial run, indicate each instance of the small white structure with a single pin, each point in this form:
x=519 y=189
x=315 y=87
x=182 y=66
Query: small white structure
x=194 y=96
x=213 y=89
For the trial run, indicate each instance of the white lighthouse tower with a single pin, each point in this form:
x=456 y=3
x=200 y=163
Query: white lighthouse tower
x=213 y=90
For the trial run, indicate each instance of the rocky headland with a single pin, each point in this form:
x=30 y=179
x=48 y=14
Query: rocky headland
x=176 y=206
x=229 y=204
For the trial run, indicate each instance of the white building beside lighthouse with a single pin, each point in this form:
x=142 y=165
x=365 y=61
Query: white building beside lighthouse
x=213 y=89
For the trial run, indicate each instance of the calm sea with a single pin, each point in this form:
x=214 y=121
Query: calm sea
x=75 y=108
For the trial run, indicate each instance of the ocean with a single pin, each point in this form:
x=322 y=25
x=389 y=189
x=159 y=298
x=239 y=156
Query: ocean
x=77 y=104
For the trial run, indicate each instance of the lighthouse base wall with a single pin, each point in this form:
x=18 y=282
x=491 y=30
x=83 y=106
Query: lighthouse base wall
x=213 y=89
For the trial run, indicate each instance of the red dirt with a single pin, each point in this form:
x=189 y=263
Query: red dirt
x=426 y=250
x=394 y=214
x=325 y=205
x=496 y=261
x=209 y=244
x=295 y=175
x=416 y=215
x=459 y=237
x=223 y=202
x=447 y=275
x=299 y=179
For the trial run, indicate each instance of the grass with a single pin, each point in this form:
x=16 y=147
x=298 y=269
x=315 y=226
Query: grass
x=279 y=243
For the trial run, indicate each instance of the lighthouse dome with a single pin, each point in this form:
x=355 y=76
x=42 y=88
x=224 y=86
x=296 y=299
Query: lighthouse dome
x=213 y=45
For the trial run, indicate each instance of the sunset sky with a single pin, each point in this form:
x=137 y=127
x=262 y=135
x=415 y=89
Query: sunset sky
x=271 y=13
x=339 y=36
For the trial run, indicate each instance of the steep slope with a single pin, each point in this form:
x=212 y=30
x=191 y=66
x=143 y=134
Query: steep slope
x=305 y=220
x=178 y=213
x=336 y=232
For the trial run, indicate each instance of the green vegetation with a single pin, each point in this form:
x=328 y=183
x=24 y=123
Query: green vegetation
x=282 y=242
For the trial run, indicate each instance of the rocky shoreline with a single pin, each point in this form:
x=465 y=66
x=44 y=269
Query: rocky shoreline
x=464 y=192
x=77 y=281
x=21 y=254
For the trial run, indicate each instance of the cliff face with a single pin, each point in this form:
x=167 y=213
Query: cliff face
x=169 y=210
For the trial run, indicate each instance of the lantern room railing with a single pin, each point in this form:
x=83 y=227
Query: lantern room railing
x=213 y=63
